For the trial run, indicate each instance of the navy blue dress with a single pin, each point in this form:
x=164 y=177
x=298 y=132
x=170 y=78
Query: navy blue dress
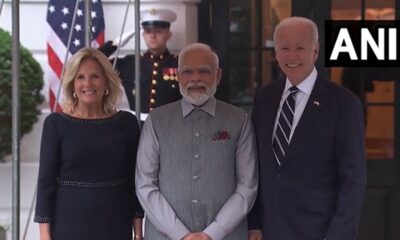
x=86 y=177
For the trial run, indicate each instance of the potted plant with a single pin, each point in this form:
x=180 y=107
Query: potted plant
x=31 y=82
x=2 y=233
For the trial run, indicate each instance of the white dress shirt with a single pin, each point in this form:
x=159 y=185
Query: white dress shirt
x=301 y=98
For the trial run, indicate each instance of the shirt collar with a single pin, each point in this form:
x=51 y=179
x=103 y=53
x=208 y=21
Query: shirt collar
x=208 y=107
x=306 y=85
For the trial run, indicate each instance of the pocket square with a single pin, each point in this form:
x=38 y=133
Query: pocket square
x=220 y=135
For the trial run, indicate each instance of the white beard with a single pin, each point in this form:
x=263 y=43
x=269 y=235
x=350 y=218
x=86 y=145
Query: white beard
x=198 y=99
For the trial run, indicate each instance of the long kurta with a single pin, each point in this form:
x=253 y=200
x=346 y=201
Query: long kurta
x=197 y=171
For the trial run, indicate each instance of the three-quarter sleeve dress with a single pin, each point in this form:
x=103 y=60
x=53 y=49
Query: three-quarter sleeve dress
x=86 y=177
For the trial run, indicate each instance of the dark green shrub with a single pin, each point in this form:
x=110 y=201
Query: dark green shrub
x=31 y=82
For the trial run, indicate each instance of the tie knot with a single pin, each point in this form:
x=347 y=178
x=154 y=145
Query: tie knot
x=293 y=90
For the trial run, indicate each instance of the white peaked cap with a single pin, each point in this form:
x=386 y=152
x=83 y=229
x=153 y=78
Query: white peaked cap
x=157 y=17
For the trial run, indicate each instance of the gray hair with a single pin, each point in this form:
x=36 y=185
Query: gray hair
x=197 y=46
x=290 y=21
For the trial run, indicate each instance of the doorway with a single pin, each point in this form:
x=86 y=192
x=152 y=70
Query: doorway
x=241 y=33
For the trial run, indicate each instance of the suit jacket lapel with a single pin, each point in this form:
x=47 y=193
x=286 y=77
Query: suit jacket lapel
x=314 y=107
x=273 y=103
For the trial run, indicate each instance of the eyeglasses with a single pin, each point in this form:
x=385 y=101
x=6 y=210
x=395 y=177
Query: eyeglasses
x=202 y=71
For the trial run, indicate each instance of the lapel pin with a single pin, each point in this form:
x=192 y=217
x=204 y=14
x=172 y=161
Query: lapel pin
x=316 y=103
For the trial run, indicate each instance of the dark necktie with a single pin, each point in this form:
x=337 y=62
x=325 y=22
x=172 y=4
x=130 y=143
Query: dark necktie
x=280 y=141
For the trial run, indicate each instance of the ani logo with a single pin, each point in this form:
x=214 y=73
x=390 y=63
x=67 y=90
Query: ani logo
x=361 y=43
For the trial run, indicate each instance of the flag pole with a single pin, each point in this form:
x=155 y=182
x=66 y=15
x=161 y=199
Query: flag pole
x=137 y=62
x=1 y=6
x=16 y=124
x=120 y=35
x=88 y=23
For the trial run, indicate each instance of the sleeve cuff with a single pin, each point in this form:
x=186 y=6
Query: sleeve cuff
x=253 y=225
x=138 y=215
x=178 y=233
x=215 y=232
x=40 y=219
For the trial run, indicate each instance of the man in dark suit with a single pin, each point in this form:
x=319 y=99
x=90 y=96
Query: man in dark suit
x=311 y=147
x=159 y=83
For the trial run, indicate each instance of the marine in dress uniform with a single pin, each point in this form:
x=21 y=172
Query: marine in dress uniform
x=159 y=84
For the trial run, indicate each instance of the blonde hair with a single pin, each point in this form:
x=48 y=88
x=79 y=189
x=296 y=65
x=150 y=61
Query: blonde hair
x=113 y=81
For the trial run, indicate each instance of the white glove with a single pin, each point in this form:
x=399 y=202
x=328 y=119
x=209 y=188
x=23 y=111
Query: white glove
x=126 y=36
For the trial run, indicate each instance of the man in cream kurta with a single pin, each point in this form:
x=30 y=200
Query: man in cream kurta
x=197 y=173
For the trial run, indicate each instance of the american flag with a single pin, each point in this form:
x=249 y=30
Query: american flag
x=59 y=17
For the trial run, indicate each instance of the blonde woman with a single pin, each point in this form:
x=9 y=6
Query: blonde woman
x=87 y=158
